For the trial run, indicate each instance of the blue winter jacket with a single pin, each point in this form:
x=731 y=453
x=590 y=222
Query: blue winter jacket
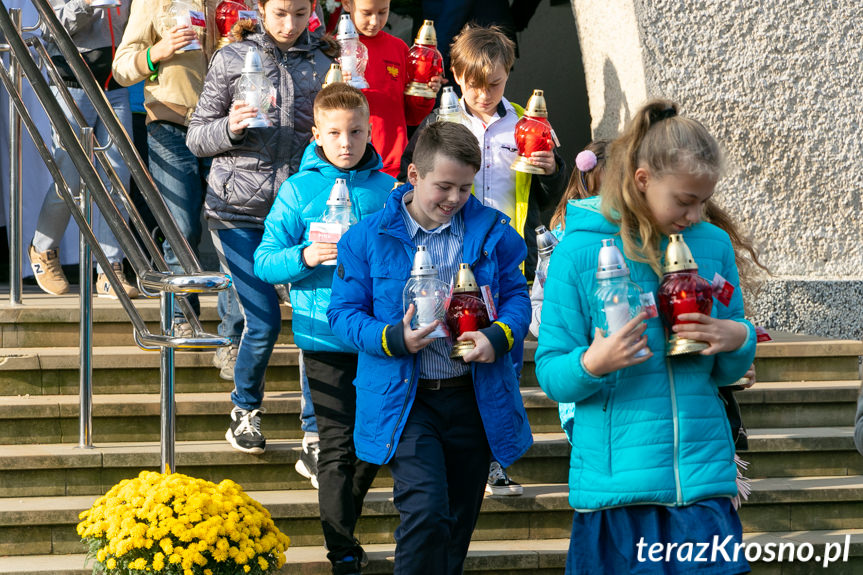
x=302 y=199
x=374 y=263
x=653 y=433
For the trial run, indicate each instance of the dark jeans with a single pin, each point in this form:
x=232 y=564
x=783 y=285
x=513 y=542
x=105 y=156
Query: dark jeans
x=181 y=179
x=439 y=473
x=259 y=304
x=343 y=479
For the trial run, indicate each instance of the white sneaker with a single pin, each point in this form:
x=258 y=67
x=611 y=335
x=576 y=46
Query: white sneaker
x=307 y=464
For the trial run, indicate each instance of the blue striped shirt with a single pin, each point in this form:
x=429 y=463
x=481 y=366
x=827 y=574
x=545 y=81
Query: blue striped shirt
x=444 y=243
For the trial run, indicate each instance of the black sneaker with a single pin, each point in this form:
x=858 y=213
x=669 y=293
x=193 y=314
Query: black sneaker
x=307 y=464
x=244 y=433
x=499 y=483
x=348 y=565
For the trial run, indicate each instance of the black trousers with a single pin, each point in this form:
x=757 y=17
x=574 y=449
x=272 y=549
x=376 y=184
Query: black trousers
x=439 y=473
x=343 y=479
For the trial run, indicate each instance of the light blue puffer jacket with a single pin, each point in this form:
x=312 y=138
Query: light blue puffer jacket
x=302 y=199
x=653 y=433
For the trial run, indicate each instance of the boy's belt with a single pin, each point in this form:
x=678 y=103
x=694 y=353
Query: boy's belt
x=449 y=383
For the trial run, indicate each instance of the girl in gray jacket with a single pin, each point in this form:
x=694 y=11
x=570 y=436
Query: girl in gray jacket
x=249 y=165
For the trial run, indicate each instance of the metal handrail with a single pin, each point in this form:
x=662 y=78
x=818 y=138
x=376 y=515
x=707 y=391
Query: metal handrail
x=127 y=150
x=81 y=152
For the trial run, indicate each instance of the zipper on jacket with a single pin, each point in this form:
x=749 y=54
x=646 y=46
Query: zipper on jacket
x=676 y=433
x=392 y=440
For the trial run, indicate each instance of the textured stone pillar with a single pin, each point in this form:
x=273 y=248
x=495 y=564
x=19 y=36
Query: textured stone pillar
x=779 y=85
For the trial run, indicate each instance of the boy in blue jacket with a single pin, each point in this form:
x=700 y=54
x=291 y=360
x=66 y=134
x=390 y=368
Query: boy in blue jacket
x=285 y=255
x=434 y=420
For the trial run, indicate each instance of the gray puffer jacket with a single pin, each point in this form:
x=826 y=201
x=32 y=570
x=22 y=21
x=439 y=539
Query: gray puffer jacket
x=248 y=170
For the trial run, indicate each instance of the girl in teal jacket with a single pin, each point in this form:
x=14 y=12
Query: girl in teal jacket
x=652 y=458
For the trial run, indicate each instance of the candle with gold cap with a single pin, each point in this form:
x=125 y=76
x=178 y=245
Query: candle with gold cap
x=424 y=62
x=466 y=312
x=682 y=291
x=334 y=75
x=533 y=133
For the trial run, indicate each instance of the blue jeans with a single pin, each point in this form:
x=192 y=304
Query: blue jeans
x=54 y=215
x=259 y=304
x=308 y=423
x=181 y=179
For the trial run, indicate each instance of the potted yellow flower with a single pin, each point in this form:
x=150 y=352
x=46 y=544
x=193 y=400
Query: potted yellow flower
x=174 y=524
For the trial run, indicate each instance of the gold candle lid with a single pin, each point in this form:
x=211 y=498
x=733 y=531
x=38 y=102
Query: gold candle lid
x=427 y=36
x=334 y=75
x=678 y=258
x=536 y=105
x=465 y=280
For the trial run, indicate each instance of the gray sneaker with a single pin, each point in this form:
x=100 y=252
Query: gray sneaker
x=225 y=358
x=499 y=483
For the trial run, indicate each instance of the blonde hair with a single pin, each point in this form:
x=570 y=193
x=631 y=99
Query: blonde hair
x=581 y=184
x=660 y=140
x=476 y=51
x=340 y=96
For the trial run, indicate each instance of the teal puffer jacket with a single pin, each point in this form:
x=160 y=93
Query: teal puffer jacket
x=653 y=433
x=302 y=199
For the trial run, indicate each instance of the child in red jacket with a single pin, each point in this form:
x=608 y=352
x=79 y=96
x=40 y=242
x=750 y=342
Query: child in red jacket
x=391 y=111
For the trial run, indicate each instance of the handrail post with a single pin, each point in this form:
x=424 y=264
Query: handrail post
x=15 y=163
x=168 y=405
x=85 y=436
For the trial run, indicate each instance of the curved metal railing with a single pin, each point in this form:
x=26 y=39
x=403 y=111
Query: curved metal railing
x=156 y=279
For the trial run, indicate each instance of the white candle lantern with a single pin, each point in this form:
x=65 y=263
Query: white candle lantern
x=428 y=294
x=354 y=56
x=256 y=89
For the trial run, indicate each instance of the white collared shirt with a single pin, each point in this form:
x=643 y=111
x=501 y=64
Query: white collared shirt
x=494 y=183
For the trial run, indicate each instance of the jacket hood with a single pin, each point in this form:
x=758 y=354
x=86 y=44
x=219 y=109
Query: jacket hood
x=314 y=161
x=586 y=216
x=305 y=43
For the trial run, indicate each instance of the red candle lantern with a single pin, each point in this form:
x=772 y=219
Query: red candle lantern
x=227 y=14
x=533 y=133
x=424 y=62
x=682 y=291
x=466 y=311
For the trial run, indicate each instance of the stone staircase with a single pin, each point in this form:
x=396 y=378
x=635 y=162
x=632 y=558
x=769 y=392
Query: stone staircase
x=807 y=476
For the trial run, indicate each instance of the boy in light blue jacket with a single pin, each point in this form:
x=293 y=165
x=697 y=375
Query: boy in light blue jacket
x=286 y=255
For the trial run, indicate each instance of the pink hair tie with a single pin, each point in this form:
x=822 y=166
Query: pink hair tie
x=585 y=161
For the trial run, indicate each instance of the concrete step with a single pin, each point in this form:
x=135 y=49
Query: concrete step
x=53 y=418
x=792 y=357
x=43 y=525
x=545 y=557
x=52 y=321
x=63 y=469
x=801 y=452
x=799 y=403
x=127 y=370
x=200 y=416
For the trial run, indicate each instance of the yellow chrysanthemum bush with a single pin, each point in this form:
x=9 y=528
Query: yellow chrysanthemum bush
x=178 y=525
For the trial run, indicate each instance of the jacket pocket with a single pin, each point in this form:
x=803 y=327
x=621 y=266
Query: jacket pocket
x=388 y=281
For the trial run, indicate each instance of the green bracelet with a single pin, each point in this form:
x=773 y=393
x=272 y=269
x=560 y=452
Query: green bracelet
x=153 y=67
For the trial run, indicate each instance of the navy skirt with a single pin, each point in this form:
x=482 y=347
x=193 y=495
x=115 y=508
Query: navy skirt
x=657 y=539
